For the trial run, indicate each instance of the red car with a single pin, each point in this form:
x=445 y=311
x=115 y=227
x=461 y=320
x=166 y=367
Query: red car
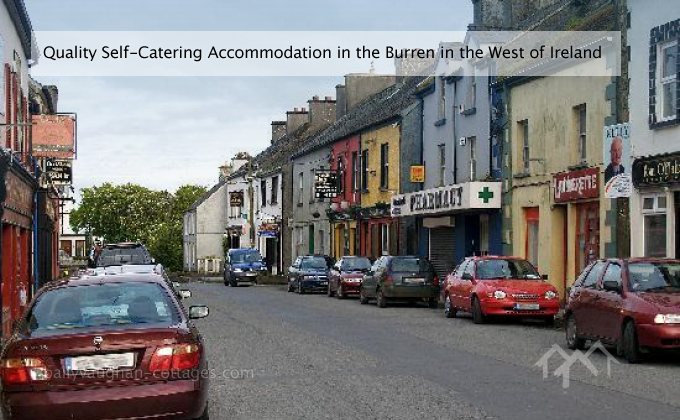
x=499 y=286
x=105 y=347
x=633 y=304
x=345 y=276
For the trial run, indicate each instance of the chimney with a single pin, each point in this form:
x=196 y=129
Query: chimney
x=278 y=130
x=359 y=86
x=340 y=101
x=225 y=171
x=295 y=119
x=322 y=112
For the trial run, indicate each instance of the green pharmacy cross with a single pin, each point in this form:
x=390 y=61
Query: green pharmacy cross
x=486 y=195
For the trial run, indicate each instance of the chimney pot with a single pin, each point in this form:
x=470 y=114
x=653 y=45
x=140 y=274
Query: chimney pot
x=329 y=98
x=315 y=97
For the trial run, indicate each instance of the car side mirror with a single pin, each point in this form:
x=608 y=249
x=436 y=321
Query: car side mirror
x=466 y=276
x=197 y=312
x=544 y=277
x=612 y=286
x=185 y=294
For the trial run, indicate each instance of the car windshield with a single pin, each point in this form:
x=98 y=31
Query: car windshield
x=410 y=265
x=506 y=269
x=355 y=264
x=653 y=276
x=314 y=263
x=111 y=305
x=245 y=257
x=121 y=256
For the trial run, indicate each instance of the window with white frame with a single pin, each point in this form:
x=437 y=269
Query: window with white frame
x=301 y=186
x=523 y=129
x=441 y=110
x=442 y=164
x=667 y=105
x=580 y=112
x=472 y=142
x=654 y=225
x=275 y=189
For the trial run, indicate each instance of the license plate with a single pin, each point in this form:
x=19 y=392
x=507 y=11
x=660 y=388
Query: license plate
x=100 y=362
x=251 y=274
x=414 y=280
x=527 y=306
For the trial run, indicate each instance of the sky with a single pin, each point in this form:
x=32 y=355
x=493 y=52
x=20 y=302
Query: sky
x=165 y=132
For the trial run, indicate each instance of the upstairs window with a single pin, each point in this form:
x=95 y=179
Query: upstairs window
x=580 y=112
x=263 y=192
x=355 y=171
x=364 y=170
x=442 y=164
x=384 y=166
x=523 y=131
x=301 y=186
x=667 y=105
x=275 y=189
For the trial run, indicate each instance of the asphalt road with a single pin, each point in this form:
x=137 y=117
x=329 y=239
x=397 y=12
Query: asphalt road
x=279 y=355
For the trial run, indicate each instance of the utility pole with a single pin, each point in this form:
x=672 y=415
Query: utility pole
x=249 y=178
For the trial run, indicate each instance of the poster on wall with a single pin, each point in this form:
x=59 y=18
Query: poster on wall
x=617 y=178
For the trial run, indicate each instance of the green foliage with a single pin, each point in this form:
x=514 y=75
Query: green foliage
x=134 y=213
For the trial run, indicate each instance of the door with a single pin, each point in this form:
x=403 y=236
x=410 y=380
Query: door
x=531 y=217
x=370 y=282
x=455 y=288
x=587 y=235
x=442 y=250
x=466 y=287
x=584 y=299
x=607 y=306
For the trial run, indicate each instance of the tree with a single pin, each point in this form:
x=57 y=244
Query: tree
x=131 y=212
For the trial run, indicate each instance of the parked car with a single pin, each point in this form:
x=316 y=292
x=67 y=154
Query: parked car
x=156 y=269
x=499 y=286
x=84 y=346
x=409 y=278
x=243 y=265
x=633 y=304
x=124 y=253
x=346 y=275
x=308 y=273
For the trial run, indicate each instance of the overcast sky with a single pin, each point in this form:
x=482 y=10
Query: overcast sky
x=165 y=132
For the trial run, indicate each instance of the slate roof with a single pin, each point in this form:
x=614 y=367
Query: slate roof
x=376 y=109
x=207 y=195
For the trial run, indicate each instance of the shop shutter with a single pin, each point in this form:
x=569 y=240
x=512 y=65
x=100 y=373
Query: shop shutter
x=442 y=250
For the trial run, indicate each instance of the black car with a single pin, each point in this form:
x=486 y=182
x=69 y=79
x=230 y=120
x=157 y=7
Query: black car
x=308 y=273
x=406 y=278
x=124 y=253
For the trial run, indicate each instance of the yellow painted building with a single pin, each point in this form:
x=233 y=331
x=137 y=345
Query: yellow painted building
x=555 y=213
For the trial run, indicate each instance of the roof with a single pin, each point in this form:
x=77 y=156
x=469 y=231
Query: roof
x=207 y=195
x=91 y=280
x=379 y=108
x=19 y=15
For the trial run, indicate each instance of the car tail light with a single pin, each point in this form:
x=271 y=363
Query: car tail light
x=435 y=281
x=178 y=357
x=23 y=370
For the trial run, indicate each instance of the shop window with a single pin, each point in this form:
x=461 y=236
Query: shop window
x=668 y=78
x=654 y=225
x=384 y=239
x=80 y=248
x=531 y=216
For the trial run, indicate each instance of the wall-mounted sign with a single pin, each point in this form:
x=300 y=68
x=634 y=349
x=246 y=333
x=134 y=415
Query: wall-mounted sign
x=59 y=171
x=417 y=173
x=54 y=136
x=326 y=184
x=470 y=195
x=236 y=199
x=576 y=185
x=617 y=179
x=657 y=170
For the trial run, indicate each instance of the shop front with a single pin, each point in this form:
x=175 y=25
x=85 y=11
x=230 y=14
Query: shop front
x=455 y=221
x=269 y=244
x=655 y=207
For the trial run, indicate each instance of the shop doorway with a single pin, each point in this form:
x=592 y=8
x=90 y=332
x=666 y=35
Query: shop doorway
x=587 y=234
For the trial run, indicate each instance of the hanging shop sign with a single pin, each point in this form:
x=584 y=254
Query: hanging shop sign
x=657 y=170
x=617 y=179
x=268 y=230
x=418 y=173
x=236 y=199
x=325 y=184
x=576 y=185
x=54 y=136
x=59 y=171
x=467 y=196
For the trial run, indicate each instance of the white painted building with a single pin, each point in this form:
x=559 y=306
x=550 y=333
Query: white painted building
x=654 y=70
x=268 y=219
x=204 y=226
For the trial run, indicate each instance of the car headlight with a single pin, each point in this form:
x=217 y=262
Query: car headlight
x=238 y=270
x=550 y=294
x=499 y=294
x=667 y=319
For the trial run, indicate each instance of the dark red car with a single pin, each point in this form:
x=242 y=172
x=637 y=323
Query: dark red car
x=105 y=347
x=499 y=286
x=345 y=276
x=633 y=304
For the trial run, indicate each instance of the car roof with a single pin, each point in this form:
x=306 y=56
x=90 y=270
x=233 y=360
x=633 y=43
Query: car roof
x=91 y=280
x=495 y=257
x=124 y=245
x=643 y=260
x=241 y=250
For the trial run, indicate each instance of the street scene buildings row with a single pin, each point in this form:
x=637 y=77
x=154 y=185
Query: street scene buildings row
x=457 y=165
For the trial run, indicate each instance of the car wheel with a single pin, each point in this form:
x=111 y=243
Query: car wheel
x=340 y=294
x=362 y=297
x=449 y=310
x=380 y=299
x=477 y=315
x=574 y=342
x=630 y=345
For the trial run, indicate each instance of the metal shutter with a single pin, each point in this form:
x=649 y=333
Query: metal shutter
x=442 y=252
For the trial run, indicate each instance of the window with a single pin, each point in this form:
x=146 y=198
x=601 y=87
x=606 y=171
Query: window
x=355 y=171
x=472 y=141
x=441 y=111
x=2 y=75
x=263 y=192
x=668 y=78
x=580 y=112
x=442 y=164
x=523 y=130
x=654 y=225
x=341 y=175
x=364 y=170
x=312 y=189
x=275 y=189
x=301 y=186
x=613 y=273
x=384 y=239
x=594 y=274
x=80 y=248
x=384 y=166
x=532 y=218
